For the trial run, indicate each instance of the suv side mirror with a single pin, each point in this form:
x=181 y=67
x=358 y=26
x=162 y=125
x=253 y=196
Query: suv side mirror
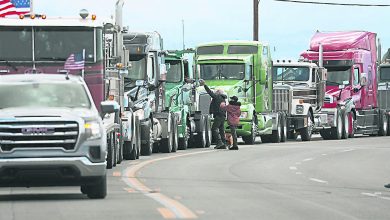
x=109 y=107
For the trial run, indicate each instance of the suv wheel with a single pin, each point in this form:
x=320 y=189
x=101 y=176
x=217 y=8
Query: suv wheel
x=98 y=190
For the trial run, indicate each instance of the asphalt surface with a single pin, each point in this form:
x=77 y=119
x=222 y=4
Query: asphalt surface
x=340 y=179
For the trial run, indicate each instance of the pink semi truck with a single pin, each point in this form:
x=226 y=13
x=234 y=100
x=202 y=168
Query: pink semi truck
x=351 y=105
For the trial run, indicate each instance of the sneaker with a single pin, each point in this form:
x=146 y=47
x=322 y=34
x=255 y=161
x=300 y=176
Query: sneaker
x=220 y=147
x=233 y=148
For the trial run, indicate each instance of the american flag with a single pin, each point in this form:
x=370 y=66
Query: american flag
x=75 y=61
x=14 y=7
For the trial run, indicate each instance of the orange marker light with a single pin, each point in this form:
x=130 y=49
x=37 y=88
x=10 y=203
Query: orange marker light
x=21 y=16
x=43 y=16
x=32 y=16
x=93 y=17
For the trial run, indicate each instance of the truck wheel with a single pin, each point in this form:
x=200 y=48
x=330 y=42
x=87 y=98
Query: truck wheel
x=147 y=144
x=166 y=144
x=110 y=151
x=388 y=122
x=251 y=139
x=326 y=134
x=344 y=134
x=283 y=138
x=127 y=149
x=337 y=132
x=175 y=133
x=352 y=125
x=276 y=134
x=119 y=148
x=383 y=127
x=307 y=131
x=98 y=190
x=208 y=131
x=200 y=138
x=183 y=142
x=137 y=137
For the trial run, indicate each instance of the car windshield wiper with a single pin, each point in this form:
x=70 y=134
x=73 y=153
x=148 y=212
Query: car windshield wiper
x=51 y=58
x=9 y=64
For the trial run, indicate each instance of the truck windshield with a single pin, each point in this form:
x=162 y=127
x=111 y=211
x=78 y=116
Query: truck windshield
x=174 y=73
x=138 y=67
x=53 y=43
x=222 y=71
x=16 y=43
x=50 y=43
x=33 y=94
x=385 y=73
x=338 y=76
x=290 y=73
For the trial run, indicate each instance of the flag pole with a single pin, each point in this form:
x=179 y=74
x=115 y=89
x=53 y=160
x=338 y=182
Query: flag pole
x=31 y=7
x=83 y=70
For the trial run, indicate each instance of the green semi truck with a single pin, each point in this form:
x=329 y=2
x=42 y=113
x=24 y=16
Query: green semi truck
x=243 y=69
x=194 y=127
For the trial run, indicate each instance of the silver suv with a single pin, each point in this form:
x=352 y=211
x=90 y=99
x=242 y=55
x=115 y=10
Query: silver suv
x=51 y=133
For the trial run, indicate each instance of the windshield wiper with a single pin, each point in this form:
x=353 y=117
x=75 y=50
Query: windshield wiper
x=9 y=64
x=52 y=58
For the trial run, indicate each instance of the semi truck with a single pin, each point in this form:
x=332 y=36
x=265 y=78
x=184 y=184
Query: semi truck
x=194 y=128
x=303 y=84
x=243 y=69
x=144 y=87
x=351 y=104
x=84 y=46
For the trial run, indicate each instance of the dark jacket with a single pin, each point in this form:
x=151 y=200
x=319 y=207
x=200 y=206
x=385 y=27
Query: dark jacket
x=233 y=112
x=215 y=104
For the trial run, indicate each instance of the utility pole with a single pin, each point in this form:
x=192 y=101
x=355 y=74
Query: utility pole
x=182 y=21
x=256 y=20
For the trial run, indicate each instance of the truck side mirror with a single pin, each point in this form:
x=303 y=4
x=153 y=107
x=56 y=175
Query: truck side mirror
x=363 y=79
x=323 y=73
x=109 y=107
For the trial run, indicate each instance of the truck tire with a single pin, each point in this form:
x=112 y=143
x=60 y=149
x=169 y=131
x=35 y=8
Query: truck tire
x=251 y=139
x=277 y=134
x=208 y=131
x=326 y=134
x=183 y=142
x=175 y=133
x=388 y=122
x=283 y=138
x=119 y=144
x=199 y=140
x=307 y=131
x=127 y=150
x=147 y=144
x=383 y=126
x=337 y=132
x=352 y=125
x=110 y=151
x=98 y=190
x=345 y=133
x=166 y=144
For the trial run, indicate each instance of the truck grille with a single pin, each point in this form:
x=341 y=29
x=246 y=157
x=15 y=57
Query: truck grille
x=38 y=134
x=281 y=99
x=384 y=99
x=204 y=103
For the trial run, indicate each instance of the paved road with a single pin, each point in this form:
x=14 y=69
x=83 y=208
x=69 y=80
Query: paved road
x=295 y=180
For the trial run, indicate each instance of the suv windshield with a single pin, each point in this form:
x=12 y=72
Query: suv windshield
x=174 y=71
x=290 y=73
x=35 y=94
x=338 y=76
x=222 y=71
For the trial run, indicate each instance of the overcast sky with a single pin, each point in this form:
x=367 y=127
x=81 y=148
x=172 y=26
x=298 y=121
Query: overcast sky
x=287 y=27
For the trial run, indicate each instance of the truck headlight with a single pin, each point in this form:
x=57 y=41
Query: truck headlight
x=244 y=115
x=92 y=129
x=299 y=109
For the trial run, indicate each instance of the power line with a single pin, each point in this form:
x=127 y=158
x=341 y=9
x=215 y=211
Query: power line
x=334 y=3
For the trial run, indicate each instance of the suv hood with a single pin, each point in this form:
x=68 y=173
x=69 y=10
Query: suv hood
x=12 y=113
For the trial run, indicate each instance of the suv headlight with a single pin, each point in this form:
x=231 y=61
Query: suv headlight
x=92 y=129
x=244 y=115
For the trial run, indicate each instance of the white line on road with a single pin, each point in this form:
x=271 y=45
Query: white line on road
x=318 y=180
x=324 y=154
x=347 y=150
x=293 y=168
x=308 y=159
x=298 y=173
x=298 y=163
x=376 y=195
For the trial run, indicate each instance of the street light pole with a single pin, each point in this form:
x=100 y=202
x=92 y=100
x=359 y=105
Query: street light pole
x=256 y=20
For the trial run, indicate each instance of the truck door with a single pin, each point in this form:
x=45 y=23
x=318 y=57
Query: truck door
x=356 y=89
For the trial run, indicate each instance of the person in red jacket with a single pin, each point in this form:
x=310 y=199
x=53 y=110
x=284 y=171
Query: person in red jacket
x=233 y=116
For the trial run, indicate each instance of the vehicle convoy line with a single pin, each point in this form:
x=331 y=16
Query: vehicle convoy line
x=172 y=208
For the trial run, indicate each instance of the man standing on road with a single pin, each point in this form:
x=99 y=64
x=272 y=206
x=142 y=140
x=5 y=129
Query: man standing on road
x=219 y=115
